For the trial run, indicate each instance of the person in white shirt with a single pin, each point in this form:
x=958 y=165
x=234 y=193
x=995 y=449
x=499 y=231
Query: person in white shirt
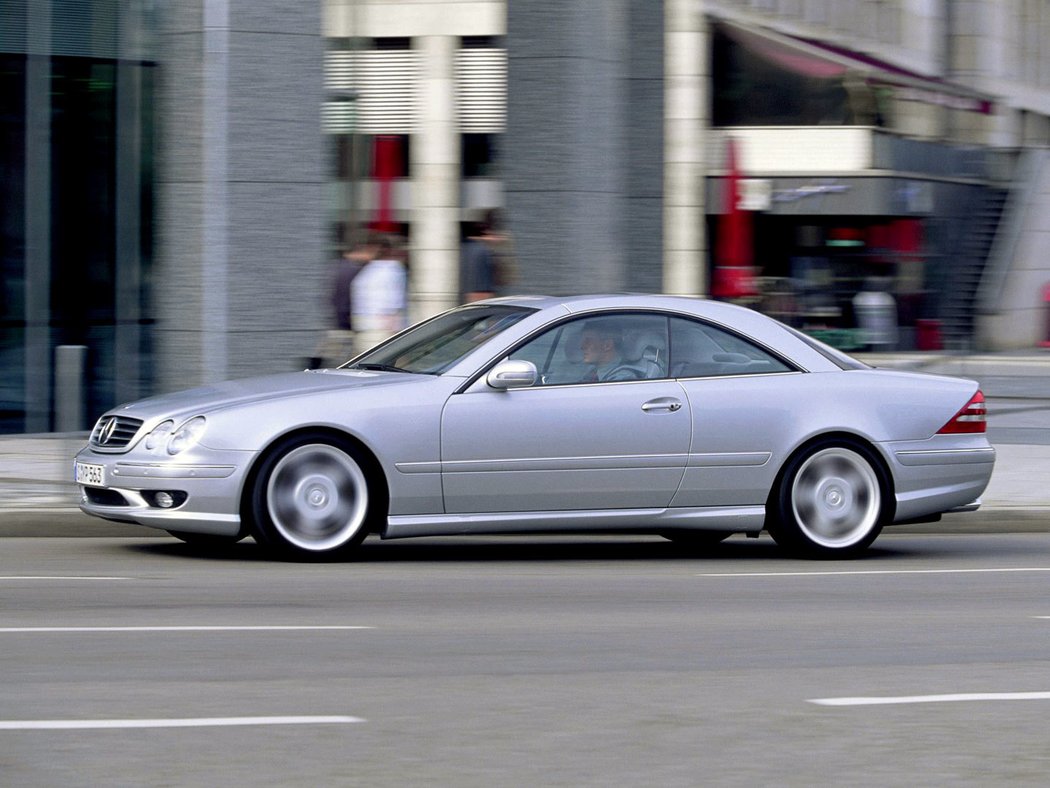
x=379 y=296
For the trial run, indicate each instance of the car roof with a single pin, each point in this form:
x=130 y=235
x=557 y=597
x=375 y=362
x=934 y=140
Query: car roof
x=714 y=310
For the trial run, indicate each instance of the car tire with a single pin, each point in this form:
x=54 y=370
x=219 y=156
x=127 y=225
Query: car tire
x=206 y=540
x=313 y=496
x=832 y=500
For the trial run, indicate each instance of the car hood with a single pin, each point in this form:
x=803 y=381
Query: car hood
x=232 y=393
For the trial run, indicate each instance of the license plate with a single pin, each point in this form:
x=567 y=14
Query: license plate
x=94 y=475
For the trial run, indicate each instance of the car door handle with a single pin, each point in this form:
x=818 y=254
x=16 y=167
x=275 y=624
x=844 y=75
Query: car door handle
x=669 y=404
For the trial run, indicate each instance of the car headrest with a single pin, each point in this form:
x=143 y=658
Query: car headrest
x=650 y=345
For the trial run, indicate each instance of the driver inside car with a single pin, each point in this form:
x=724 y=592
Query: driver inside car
x=601 y=345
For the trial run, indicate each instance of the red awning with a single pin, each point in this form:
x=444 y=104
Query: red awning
x=822 y=60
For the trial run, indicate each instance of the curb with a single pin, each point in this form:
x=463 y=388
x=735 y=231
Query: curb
x=65 y=523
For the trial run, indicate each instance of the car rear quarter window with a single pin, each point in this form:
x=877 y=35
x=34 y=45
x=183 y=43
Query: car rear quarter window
x=700 y=350
x=836 y=357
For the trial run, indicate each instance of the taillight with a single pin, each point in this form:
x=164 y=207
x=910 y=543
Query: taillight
x=972 y=418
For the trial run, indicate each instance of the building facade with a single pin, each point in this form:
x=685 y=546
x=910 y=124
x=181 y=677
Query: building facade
x=878 y=144
x=177 y=177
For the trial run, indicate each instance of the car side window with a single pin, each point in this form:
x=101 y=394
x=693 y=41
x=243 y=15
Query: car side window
x=600 y=349
x=700 y=350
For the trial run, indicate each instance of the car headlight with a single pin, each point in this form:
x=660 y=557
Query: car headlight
x=159 y=435
x=187 y=436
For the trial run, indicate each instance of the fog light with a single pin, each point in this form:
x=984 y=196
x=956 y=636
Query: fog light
x=164 y=500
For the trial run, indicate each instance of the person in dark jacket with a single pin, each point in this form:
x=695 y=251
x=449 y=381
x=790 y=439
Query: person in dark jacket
x=338 y=343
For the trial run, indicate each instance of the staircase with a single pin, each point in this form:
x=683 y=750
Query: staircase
x=960 y=299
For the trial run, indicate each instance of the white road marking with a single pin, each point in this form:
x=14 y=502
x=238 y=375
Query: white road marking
x=881 y=572
x=10 y=630
x=957 y=698
x=189 y=722
x=59 y=577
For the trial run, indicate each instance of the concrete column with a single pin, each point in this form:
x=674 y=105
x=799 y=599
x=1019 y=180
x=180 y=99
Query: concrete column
x=1019 y=317
x=993 y=51
x=241 y=277
x=565 y=164
x=685 y=122
x=435 y=167
x=644 y=127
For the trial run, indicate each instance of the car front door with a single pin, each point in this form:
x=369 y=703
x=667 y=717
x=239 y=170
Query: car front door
x=568 y=442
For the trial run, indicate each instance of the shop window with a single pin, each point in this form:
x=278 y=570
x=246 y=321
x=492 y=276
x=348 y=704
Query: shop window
x=753 y=85
x=391 y=43
x=482 y=42
x=365 y=156
x=480 y=155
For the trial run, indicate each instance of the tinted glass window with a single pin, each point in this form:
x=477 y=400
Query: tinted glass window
x=605 y=348
x=836 y=357
x=699 y=350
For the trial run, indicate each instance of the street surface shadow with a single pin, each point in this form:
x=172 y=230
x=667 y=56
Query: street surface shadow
x=518 y=549
x=485 y=549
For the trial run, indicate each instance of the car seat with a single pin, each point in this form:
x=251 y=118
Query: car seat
x=646 y=351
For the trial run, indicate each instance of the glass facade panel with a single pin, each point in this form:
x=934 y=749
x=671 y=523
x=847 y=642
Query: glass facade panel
x=83 y=215
x=76 y=203
x=12 y=241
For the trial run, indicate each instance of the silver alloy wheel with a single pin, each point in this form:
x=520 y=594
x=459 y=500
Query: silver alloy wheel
x=317 y=497
x=836 y=498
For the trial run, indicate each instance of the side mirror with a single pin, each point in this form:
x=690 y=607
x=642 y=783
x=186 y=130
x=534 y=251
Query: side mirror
x=512 y=375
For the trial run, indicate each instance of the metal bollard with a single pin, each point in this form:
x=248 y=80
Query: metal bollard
x=1046 y=300
x=69 y=387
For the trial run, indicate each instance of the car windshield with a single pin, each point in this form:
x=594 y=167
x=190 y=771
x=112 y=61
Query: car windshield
x=432 y=347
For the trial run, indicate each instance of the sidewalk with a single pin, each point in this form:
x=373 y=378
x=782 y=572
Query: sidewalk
x=1009 y=374
x=38 y=497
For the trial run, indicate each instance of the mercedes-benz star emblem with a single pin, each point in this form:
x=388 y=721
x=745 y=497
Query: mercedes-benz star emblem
x=107 y=430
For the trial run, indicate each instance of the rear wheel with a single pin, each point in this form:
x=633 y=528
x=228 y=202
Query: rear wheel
x=313 y=497
x=831 y=502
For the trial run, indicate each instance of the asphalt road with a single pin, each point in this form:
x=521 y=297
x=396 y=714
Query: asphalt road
x=555 y=661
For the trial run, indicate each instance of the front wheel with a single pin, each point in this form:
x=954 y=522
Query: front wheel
x=831 y=502
x=312 y=497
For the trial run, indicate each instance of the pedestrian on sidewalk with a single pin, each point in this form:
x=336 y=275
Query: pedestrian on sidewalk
x=338 y=343
x=379 y=297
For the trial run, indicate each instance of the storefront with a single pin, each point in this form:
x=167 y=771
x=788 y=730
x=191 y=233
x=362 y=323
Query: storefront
x=820 y=242
x=861 y=231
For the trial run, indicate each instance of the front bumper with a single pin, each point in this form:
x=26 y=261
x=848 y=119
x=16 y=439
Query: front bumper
x=207 y=486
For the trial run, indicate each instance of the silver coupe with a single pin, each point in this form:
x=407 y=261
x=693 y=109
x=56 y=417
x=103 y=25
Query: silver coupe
x=682 y=417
